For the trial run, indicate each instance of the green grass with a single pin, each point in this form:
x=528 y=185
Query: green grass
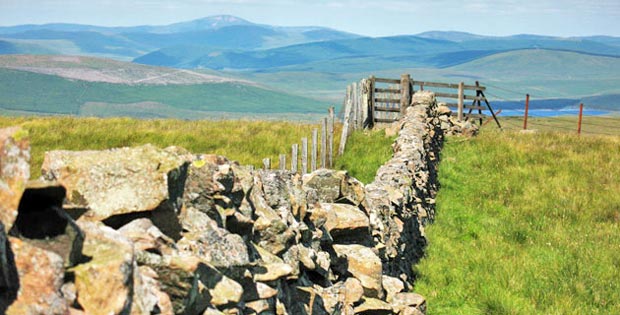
x=526 y=224
x=365 y=152
x=245 y=141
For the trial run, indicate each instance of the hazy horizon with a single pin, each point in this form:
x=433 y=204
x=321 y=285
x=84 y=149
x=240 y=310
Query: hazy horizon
x=564 y=18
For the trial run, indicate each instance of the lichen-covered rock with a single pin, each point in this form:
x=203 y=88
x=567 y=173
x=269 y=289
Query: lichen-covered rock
x=111 y=267
x=14 y=172
x=215 y=245
x=392 y=286
x=364 y=265
x=41 y=275
x=150 y=294
x=269 y=230
x=146 y=237
x=270 y=267
x=406 y=300
x=331 y=186
x=122 y=181
x=374 y=307
x=46 y=225
x=343 y=222
x=210 y=178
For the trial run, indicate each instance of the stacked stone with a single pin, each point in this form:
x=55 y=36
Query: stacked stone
x=452 y=126
x=150 y=231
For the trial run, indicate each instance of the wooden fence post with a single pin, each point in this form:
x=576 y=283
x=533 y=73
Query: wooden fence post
x=294 y=149
x=354 y=102
x=315 y=144
x=304 y=156
x=365 y=103
x=405 y=93
x=266 y=164
x=324 y=143
x=345 y=126
x=283 y=162
x=580 y=118
x=331 y=138
x=527 y=108
x=372 y=101
x=360 y=108
x=461 y=101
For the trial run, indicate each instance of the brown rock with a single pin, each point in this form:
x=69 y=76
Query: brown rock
x=406 y=300
x=14 y=172
x=374 y=307
x=46 y=225
x=353 y=291
x=215 y=245
x=117 y=182
x=364 y=265
x=111 y=267
x=40 y=279
x=342 y=221
x=270 y=267
x=392 y=286
x=147 y=295
x=146 y=237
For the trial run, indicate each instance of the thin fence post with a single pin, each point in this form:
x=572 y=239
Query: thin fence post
x=330 y=141
x=359 y=92
x=304 y=156
x=266 y=163
x=324 y=143
x=294 y=149
x=580 y=118
x=460 y=103
x=527 y=108
x=365 y=103
x=315 y=144
x=283 y=162
x=354 y=107
x=346 y=121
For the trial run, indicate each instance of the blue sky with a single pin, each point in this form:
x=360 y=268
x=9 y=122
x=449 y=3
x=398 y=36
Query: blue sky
x=374 y=18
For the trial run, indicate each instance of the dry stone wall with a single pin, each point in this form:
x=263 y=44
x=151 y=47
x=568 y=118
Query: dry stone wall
x=150 y=231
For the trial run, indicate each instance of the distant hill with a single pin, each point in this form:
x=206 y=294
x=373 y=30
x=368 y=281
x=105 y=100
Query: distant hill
x=223 y=32
x=372 y=53
x=89 y=87
x=107 y=70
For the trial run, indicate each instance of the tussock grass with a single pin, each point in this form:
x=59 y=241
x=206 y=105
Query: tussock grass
x=365 y=152
x=526 y=224
x=245 y=141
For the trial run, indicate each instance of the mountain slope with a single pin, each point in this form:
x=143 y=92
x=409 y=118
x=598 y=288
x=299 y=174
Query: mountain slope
x=372 y=53
x=106 y=70
x=27 y=92
x=224 y=32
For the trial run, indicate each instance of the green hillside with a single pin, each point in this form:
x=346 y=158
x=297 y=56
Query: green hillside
x=544 y=64
x=37 y=93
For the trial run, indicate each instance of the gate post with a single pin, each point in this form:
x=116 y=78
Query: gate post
x=405 y=93
x=460 y=104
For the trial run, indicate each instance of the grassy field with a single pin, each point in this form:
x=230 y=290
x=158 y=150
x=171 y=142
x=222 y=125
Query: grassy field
x=365 y=152
x=526 y=224
x=245 y=141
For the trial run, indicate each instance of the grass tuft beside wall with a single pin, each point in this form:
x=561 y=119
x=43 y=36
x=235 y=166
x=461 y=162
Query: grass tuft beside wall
x=526 y=224
x=365 y=152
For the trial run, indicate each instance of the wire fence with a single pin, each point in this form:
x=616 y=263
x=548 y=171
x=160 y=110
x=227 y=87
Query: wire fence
x=593 y=122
